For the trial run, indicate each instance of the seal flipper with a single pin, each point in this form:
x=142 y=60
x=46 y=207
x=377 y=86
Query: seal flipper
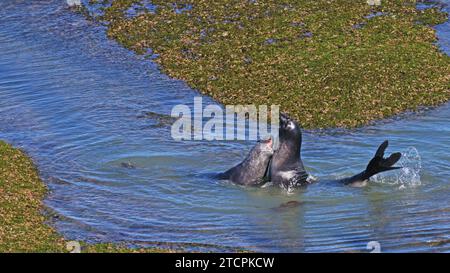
x=377 y=164
x=380 y=164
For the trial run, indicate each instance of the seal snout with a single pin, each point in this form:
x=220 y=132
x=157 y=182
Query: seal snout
x=284 y=119
x=268 y=144
x=268 y=141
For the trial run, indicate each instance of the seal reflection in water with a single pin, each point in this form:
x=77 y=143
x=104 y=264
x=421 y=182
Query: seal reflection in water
x=252 y=170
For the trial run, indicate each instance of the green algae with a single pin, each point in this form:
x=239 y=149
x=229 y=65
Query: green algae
x=23 y=226
x=326 y=63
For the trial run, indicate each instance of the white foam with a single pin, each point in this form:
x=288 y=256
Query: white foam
x=406 y=177
x=73 y=3
x=311 y=179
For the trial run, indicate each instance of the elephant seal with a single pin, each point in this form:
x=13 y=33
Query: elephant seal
x=253 y=169
x=287 y=170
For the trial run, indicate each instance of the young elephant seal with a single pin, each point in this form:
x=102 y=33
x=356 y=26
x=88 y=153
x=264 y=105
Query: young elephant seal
x=252 y=170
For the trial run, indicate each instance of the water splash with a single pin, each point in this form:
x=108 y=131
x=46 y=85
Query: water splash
x=312 y=179
x=267 y=185
x=408 y=176
x=293 y=186
x=73 y=3
x=288 y=189
x=412 y=165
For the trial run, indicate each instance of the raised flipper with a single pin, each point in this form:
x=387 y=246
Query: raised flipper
x=377 y=164
x=380 y=164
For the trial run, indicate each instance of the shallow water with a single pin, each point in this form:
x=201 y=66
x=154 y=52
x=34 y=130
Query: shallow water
x=74 y=101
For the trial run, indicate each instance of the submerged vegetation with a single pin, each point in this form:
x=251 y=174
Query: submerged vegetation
x=338 y=63
x=23 y=227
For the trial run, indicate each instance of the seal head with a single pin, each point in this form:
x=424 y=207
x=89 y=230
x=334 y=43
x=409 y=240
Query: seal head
x=253 y=169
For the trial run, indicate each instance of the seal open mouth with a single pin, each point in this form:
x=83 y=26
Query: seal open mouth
x=268 y=142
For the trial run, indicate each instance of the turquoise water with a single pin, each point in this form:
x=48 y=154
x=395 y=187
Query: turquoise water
x=76 y=102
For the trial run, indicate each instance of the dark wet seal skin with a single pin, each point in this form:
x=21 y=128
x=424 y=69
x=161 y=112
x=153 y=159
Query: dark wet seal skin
x=252 y=170
x=127 y=165
x=286 y=168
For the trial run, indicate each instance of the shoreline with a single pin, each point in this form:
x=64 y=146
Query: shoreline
x=23 y=226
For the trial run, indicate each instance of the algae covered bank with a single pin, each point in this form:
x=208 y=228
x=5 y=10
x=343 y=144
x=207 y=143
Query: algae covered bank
x=326 y=63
